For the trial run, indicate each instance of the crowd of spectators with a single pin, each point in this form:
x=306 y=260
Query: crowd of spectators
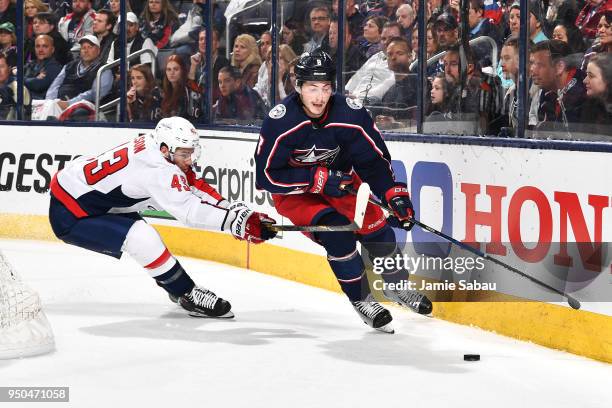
x=471 y=73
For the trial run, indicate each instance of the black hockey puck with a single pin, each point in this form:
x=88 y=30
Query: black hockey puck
x=471 y=357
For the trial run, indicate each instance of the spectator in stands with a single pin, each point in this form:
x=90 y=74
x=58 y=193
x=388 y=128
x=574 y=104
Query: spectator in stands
x=374 y=78
x=320 y=20
x=8 y=42
x=604 y=32
x=135 y=42
x=159 y=20
x=292 y=36
x=77 y=81
x=264 y=44
x=7 y=12
x=406 y=17
x=353 y=59
x=442 y=103
x=447 y=30
x=196 y=78
x=559 y=11
x=389 y=9
x=40 y=73
x=562 y=91
x=372 y=31
x=353 y=17
x=264 y=81
x=250 y=74
x=603 y=41
x=433 y=47
x=143 y=97
x=79 y=23
x=597 y=112
x=31 y=8
x=176 y=100
x=237 y=101
x=115 y=7
x=8 y=90
x=509 y=62
x=46 y=23
x=245 y=52
x=400 y=100
x=478 y=24
x=481 y=94
x=514 y=19
x=103 y=29
x=589 y=17
x=536 y=17
x=568 y=33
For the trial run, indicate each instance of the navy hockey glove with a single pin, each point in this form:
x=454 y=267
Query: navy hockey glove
x=250 y=225
x=329 y=182
x=399 y=201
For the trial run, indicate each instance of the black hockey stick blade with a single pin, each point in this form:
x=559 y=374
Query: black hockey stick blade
x=361 y=203
x=573 y=302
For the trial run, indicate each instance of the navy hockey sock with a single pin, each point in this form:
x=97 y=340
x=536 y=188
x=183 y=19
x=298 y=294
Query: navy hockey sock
x=176 y=281
x=343 y=257
x=382 y=244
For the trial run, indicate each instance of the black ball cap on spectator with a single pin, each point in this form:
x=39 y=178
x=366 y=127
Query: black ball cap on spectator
x=7 y=27
x=449 y=21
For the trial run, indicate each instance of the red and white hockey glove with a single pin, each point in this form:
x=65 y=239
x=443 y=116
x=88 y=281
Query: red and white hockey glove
x=329 y=182
x=249 y=225
x=399 y=200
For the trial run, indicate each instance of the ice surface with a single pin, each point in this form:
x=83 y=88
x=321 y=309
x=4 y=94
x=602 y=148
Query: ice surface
x=120 y=342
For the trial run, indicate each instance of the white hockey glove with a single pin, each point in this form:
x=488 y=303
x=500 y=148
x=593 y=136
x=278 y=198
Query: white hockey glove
x=245 y=224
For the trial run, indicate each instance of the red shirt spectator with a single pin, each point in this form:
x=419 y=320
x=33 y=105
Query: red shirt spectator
x=589 y=16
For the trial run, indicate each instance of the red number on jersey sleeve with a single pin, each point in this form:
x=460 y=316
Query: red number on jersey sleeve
x=99 y=168
x=180 y=183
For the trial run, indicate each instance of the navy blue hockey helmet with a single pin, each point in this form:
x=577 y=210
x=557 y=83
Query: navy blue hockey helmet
x=315 y=66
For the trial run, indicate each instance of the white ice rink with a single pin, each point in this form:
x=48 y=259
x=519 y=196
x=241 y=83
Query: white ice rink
x=121 y=343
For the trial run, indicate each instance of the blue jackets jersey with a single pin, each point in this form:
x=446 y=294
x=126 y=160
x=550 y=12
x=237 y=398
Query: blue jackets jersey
x=345 y=138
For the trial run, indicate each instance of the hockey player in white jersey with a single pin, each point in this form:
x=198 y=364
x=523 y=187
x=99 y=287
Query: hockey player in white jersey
x=95 y=203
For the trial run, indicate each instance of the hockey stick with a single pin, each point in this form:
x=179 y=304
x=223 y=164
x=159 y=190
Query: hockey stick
x=573 y=302
x=361 y=202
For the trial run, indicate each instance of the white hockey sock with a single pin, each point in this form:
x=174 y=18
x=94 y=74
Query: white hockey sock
x=144 y=244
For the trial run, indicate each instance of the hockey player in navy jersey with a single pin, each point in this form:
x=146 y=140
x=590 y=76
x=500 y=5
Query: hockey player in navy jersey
x=95 y=203
x=310 y=147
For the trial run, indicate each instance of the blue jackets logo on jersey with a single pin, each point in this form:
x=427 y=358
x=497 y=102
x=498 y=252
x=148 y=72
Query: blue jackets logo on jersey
x=312 y=156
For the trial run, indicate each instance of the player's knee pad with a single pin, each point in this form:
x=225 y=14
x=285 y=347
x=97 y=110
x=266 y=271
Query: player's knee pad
x=337 y=244
x=144 y=244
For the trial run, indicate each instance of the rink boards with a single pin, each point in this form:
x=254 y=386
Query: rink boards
x=514 y=199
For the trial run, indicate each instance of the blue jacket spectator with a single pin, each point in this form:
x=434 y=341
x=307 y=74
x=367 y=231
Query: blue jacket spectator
x=77 y=80
x=40 y=72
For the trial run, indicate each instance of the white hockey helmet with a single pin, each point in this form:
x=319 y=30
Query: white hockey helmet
x=176 y=132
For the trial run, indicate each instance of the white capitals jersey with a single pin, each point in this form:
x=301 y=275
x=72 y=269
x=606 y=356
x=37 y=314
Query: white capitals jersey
x=132 y=177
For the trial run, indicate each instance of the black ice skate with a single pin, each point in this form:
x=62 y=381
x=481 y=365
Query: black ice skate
x=374 y=315
x=201 y=302
x=413 y=300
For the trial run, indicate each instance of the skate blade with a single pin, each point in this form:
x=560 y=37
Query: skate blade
x=387 y=328
x=228 y=315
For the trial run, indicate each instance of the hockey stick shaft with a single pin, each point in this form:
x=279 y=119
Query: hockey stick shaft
x=361 y=202
x=573 y=302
